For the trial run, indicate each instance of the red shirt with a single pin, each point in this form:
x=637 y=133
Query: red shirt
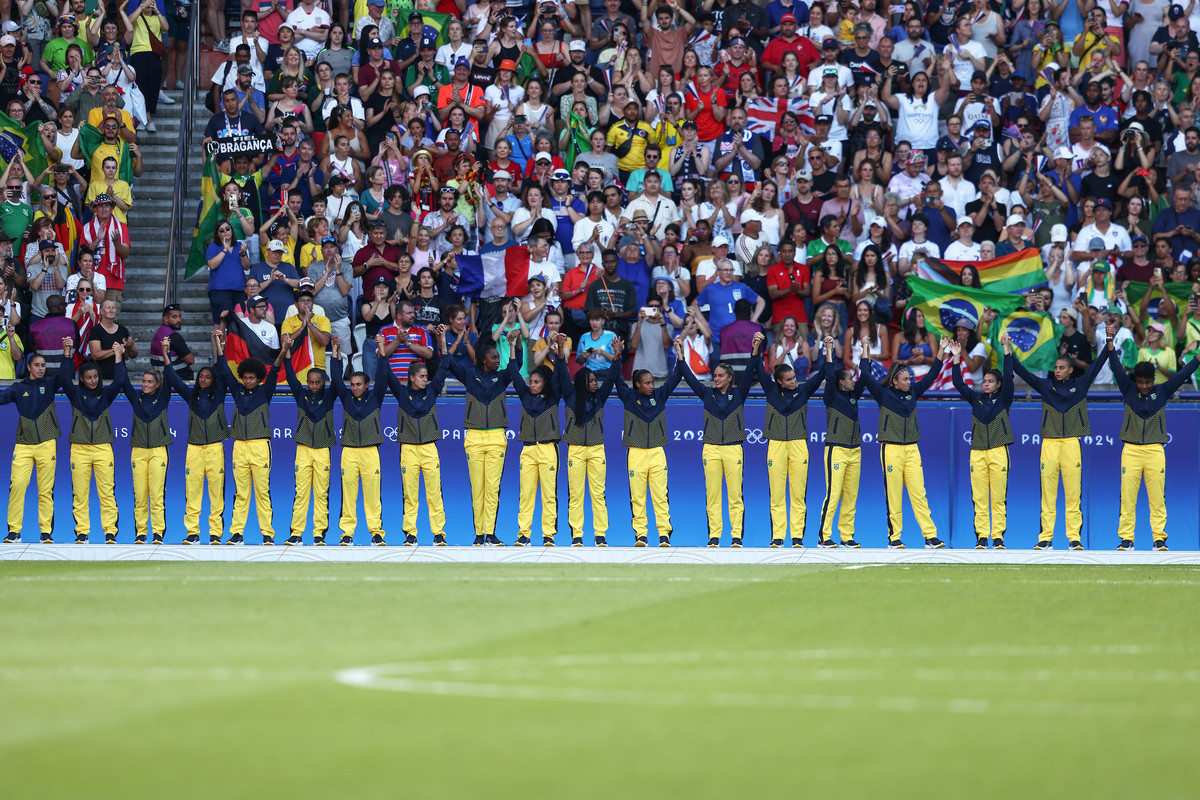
x=390 y=252
x=707 y=127
x=805 y=50
x=790 y=305
x=727 y=76
x=579 y=279
x=367 y=72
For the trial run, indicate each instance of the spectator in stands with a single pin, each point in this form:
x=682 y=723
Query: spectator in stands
x=333 y=279
x=308 y=321
x=277 y=279
x=104 y=334
x=377 y=259
x=179 y=355
x=405 y=342
x=613 y=295
x=48 y=333
x=720 y=296
x=15 y=213
x=108 y=239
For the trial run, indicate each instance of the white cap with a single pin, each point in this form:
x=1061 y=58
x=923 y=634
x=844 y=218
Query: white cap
x=1058 y=233
x=578 y=44
x=420 y=90
x=277 y=246
x=1063 y=152
x=10 y=26
x=720 y=241
x=1015 y=219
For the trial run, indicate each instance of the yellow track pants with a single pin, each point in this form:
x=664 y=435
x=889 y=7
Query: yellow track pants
x=24 y=457
x=485 y=467
x=539 y=467
x=312 y=480
x=1148 y=462
x=417 y=460
x=361 y=464
x=842 y=468
x=586 y=471
x=723 y=461
x=1061 y=457
x=149 y=489
x=86 y=460
x=787 y=462
x=989 y=491
x=648 y=473
x=205 y=461
x=252 y=471
x=902 y=470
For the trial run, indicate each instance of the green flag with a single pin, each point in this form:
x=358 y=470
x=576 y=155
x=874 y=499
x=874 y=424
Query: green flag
x=91 y=138
x=206 y=217
x=15 y=137
x=943 y=304
x=1179 y=292
x=1035 y=337
x=580 y=141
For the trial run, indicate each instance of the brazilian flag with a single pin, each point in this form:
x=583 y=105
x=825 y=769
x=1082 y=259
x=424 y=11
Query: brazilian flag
x=944 y=304
x=1034 y=335
x=16 y=138
x=432 y=20
x=206 y=217
x=580 y=143
x=90 y=138
x=1179 y=292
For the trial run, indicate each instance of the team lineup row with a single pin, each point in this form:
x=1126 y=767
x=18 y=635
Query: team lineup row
x=644 y=434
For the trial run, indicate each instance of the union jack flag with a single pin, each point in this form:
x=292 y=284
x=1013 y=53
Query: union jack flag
x=763 y=115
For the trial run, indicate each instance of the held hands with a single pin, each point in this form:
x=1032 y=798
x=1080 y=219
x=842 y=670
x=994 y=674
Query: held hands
x=165 y=344
x=67 y=344
x=118 y=350
x=756 y=342
x=287 y=342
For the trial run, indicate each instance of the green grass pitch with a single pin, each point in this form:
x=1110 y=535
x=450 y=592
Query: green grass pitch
x=472 y=681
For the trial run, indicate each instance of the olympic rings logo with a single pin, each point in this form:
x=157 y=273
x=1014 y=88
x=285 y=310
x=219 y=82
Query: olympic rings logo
x=755 y=436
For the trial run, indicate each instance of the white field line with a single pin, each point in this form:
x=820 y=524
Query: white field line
x=459 y=578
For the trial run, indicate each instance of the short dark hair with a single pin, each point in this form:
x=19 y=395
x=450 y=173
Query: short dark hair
x=1144 y=369
x=595 y=312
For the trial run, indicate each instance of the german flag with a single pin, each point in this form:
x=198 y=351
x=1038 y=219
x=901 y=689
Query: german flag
x=242 y=343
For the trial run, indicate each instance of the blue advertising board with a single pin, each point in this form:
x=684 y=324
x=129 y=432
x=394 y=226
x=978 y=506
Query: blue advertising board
x=945 y=449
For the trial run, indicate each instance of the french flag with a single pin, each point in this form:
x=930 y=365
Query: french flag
x=499 y=273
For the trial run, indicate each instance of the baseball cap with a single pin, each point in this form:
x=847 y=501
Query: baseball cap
x=1063 y=152
x=378 y=43
x=415 y=15
x=1058 y=233
x=303 y=293
x=826 y=118
x=462 y=62
x=377 y=3
x=578 y=44
x=983 y=123
x=1100 y=266
x=10 y=26
x=245 y=69
x=877 y=222
x=542 y=280
x=47 y=244
x=829 y=44
x=1176 y=12
x=963 y=322
x=979 y=75
x=1104 y=202
x=947 y=146
x=787 y=18
x=508 y=64
x=305 y=281
x=329 y=240
x=804 y=174
x=101 y=199
x=7 y=39
x=1014 y=219
x=420 y=90
x=560 y=175
x=380 y=280
x=1139 y=237
x=1072 y=313
x=543 y=156
x=966 y=221
x=257 y=300
x=625 y=242
x=277 y=246
x=1157 y=326
x=720 y=241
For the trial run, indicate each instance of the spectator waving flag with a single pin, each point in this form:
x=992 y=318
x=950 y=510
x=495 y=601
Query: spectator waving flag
x=1034 y=335
x=1015 y=272
x=242 y=343
x=206 y=217
x=1136 y=290
x=434 y=24
x=25 y=139
x=499 y=273
x=579 y=143
x=91 y=138
x=944 y=304
x=763 y=115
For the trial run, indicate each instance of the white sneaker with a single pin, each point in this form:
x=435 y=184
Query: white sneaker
x=140 y=127
x=150 y=126
x=222 y=46
x=165 y=98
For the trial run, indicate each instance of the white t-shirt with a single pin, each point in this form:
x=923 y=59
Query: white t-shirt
x=1116 y=236
x=957 y=251
x=907 y=249
x=234 y=41
x=964 y=68
x=522 y=214
x=979 y=349
x=356 y=108
x=918 y=121
x=817 y=73
x=265 y=331
x=301 y=20
x=973 y=112
x=494 y=95
x=957 y=197
x=73 y=282
x=824 y=104
x=447 y=55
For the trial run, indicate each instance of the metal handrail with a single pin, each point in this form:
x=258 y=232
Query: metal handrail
x=182 y=158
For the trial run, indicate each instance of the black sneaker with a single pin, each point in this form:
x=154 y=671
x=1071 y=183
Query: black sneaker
x=934 y=543
x=211 y=539
x=797 y=542
x=346 y=541
x=853 y=545
x=377 y=540
x=49 y=539
x=736 y=543
x=1126 y=544
x=193 y=538
x=828 y=544
x=895 y=544
x=981 y=543
x=997 y=543
x=235 y=539
x=111 y=538
x=664 y=541
x=157 y=539
x=268 y=541
x=81 y=538
x=494 y=539
x=1075 y=545
x=547 y=541
x=714 y=542
x=12 y=538
x=777 y=543
x=294 y=540
x=601 y=541
x=410 y=540
x=136 y=540
x=439 y=540
x=1044 y=545
x=639 y=541
x=576 y=541
x=521 y=541
x=319 y=541
x=479 y=539
x=1160 y=544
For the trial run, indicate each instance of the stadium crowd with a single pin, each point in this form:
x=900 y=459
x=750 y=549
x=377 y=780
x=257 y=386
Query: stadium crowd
x=674 y=184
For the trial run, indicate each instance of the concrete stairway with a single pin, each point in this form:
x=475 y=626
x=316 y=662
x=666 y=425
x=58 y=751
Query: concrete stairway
x=149 y=231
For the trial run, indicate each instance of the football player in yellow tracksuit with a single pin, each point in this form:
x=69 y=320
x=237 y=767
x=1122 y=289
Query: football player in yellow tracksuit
x=315 y=439
x=898 y=436
x=539 y=435
x=786 y=429
x=586 y=465
x=91 y=441
x=486 y=439
x=1144 y=432
x=251 y=440
x=362 y=434
x=37 y=442
x=1064 y=421
x=149 y=441
x=644 y=434
x=418 y=432
x=991 y=434
x=723 y=454
x=843 y=450
x=207 y=432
